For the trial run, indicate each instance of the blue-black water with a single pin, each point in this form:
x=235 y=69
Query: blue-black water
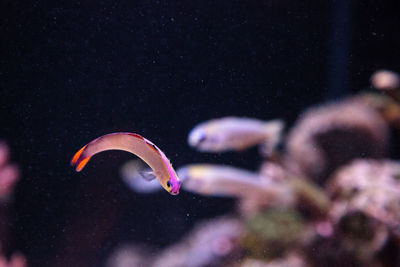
x=71 y=72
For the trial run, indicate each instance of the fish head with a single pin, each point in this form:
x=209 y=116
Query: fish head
x=183 y=173
x=206 y=139
x=173 y=184
x=197 y=136
x=193 y=177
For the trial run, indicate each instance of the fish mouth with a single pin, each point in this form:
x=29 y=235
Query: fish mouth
x=196 y=137
x=174 y=192
x=201 y=139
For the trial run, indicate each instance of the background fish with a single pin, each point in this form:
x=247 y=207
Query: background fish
x=234 y=133
x=131 y=175
x=219 y=180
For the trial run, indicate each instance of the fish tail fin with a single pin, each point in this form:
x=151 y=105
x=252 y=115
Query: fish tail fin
x=82 y=164
x=77 y=155
x=273 y=132
x=78 y=162
x=275 y=127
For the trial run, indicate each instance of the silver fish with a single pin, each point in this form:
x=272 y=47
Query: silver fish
x=234 y=133
x=220 y=180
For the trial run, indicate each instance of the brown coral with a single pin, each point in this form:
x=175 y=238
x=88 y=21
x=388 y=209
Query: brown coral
x=292 y=260
x=16 y=260
x=331 y=135
x=385 y=80
x=366 y=207
x=9 y=174
x=128 y=255
x=210 y=242
x=370 y=186
x=272 y=233
x=388 y=107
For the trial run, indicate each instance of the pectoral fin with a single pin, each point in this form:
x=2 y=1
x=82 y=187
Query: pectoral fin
x=147 y=175
x=130 y=173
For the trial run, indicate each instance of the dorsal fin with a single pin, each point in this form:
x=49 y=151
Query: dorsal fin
x=137 y=135
x=153 y=146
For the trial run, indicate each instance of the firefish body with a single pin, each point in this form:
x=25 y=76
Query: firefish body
x=137 y=145
x=235 y=133
x=219 y=180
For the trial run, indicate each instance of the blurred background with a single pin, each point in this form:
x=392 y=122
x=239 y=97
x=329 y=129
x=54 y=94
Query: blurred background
x=71 y=72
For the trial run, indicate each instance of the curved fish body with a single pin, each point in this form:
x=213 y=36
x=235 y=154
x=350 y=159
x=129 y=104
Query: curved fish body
x=219 y=180
x=138 y=145
x=234 y=133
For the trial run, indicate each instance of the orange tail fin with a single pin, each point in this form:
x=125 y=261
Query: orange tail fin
x=82 y=164
x=76 y=158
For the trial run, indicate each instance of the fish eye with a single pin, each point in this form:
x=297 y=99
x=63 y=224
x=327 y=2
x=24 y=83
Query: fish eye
x=168 y=184
x=202 y=138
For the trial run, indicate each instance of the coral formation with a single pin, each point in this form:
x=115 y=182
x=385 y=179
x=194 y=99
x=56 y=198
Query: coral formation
x=336 y=197
x=271 y=233
x=209 y=244
x=368 y=186
x=331 y=135
x=385 y=80
x=9 y=176
x=128 y=255
x=292 y=260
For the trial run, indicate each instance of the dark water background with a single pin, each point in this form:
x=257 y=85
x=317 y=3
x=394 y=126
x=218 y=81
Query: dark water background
x=73 y=71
